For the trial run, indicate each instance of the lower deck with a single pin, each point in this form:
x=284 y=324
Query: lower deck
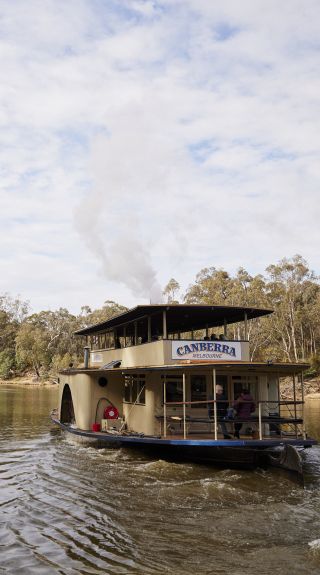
x=205 y=440
x=185 y=403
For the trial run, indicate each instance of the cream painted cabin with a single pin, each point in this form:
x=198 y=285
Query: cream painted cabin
x=135 y=359
x=144 y=416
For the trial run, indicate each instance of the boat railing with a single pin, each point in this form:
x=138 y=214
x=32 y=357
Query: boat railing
x=270 y=418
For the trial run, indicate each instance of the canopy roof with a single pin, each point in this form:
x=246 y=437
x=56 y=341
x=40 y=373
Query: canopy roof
x=281 y=369
x=179 y=318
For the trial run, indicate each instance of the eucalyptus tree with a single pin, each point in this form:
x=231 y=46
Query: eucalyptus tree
x=45 y=338
x=212 y=286
x=12 y=313
x=109 y=309
x=292 y=287
x=289 y=288
x=171 y=290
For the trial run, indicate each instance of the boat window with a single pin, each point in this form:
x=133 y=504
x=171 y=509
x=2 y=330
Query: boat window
x=110 y=340
x=134 y=388
x=127 y=391
x=174 y=388
x=198 y=390
x=102 y=381
x=138 y=392
x=244 y=382
x=94 y=342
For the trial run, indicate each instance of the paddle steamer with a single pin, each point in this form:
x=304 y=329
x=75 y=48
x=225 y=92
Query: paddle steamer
x=149 y=381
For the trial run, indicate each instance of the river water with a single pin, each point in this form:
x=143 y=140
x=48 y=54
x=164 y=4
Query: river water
x=77 y=510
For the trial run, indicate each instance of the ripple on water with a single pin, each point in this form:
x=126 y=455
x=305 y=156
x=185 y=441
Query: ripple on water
x=71 y=509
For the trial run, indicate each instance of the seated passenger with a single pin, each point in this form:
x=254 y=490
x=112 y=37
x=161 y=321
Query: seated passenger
x=222 y=337
x=213 y=337
x=206 y=338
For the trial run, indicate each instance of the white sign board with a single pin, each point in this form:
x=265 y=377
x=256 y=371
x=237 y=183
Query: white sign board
x=96 y=357
x=206 y=350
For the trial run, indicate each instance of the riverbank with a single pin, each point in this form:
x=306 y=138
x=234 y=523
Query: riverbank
x=29 y=380
x=311 y=387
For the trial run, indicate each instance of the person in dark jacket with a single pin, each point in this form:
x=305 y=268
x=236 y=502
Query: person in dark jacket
x=222 y=407
x=243 y=406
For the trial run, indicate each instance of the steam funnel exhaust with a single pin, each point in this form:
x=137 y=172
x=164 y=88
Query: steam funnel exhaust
x=86 y=357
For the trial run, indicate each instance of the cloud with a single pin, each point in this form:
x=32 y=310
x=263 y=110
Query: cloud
x=144 y=140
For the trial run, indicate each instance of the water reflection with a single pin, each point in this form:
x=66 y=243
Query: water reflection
x=312 y=415
x=76 y=510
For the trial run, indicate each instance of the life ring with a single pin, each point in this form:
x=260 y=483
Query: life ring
x=111 y=412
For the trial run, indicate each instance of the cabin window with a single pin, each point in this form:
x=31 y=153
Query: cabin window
x=102 y=381
x=101 y=341
x=127 y=391
x=134 y=389
x=198 y=390
x=241 y=382
x=110 y=340
x=174 y=388
x=95 y=342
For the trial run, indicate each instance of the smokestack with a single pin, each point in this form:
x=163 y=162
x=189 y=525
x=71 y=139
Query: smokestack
x=86 y=357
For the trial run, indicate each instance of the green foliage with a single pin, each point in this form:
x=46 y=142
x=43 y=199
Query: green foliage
x=109 y=310
x=45 y=341
x=7 y=363
x=211 y=287
x=63 y=361
x=314 y=366
x=292 y=333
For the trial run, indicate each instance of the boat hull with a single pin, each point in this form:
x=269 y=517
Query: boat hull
x=238 y=454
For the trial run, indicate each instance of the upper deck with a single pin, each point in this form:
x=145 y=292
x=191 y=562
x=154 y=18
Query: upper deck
x=171 y=334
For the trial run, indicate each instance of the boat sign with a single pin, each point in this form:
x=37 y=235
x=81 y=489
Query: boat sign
x=96 y=357
x=206 y=350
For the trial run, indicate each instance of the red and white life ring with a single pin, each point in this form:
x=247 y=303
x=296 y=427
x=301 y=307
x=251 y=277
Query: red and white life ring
x=111 y=412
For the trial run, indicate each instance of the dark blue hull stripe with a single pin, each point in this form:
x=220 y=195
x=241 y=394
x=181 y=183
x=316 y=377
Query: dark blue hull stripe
x=145 y=440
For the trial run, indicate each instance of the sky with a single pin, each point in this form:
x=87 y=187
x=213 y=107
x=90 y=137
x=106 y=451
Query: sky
x=143 y=140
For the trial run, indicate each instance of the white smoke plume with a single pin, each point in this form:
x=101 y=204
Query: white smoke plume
x=128 y=194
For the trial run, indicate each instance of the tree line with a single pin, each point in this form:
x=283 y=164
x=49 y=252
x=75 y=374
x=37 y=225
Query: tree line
x=44 y=342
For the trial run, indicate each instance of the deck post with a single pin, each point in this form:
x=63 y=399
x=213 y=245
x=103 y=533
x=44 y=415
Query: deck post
x=164 y=324
x=295 y=403
x=135 y=333
x=294 y=395
x=149 y=328
x=260 y=420
x=184 y=405
x=245 y=326
x=215 y=404
x=225 y=327
x=304 y=433
x=164 y=406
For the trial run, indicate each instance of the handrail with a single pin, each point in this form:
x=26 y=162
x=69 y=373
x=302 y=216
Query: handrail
x=260 y=421
x=230 y=402
x=261 y=417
